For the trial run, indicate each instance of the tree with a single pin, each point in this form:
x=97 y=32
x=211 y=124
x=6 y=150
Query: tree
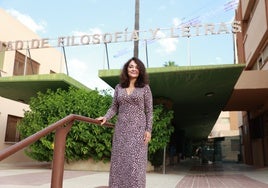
x=170 y=64
x=162 y=130
x=84 y=140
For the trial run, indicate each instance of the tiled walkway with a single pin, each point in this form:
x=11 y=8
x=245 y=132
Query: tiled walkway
x=219 y=181
x=37 y=177
x=188 y=174
x=220 y=176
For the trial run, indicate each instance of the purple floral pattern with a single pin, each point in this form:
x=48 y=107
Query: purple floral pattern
x=129 y=153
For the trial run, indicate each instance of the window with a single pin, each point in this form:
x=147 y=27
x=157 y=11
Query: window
x=12 y=134
x=235 y=145
x=263 y=58
x=32 y=67
x=260 y=63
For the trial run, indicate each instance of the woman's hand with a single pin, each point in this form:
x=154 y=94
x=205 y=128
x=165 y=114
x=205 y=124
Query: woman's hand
x=102 y=120
x=147 y=137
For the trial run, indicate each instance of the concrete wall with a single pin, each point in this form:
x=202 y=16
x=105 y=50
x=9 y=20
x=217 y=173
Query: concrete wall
x=230 y=149
x=12 y=30
x=9 y=107
x=226 y=125
x=50 y=59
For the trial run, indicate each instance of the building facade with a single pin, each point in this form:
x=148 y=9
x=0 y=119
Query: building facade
x=252 y=50
x=226 y=137
x=17 y=63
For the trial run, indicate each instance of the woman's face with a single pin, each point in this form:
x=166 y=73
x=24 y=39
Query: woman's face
x=133 y=70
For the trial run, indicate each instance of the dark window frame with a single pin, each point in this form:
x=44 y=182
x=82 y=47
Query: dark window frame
x=12 y=134
x=19 y=64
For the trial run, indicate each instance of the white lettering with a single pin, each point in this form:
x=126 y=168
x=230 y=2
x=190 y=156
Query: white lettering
x=19 y=45
x=154 y=33
x=45 y=43
x=222 y=28
x=209 y=28
x=236 y=27
x=117 y=35
x=105 y=38
x=9 y=46
x=185 y=31
x=172 y=33
x=124 y=36
x=73 y=42
x=135 y=35
x=85 y=39
x=68 y=40
x=61 y=41
x=197 y=29
x=35 y=43
x=96 y=39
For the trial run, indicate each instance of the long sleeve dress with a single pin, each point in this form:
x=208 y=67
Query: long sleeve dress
x=129 y=152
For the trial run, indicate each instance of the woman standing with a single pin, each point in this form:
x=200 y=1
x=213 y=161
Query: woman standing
x=132 y=102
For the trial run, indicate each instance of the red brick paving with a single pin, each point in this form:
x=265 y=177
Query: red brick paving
x=219 y=181
x=207 y=168
x=212 y=176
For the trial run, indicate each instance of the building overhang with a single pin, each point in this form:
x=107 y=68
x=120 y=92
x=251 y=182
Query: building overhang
x=22 y=88
x=250 y=92
x=198 y=93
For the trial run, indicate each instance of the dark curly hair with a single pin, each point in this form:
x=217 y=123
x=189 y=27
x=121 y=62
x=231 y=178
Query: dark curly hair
x=142 y=79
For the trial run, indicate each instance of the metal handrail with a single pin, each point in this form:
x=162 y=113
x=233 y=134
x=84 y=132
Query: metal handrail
x=62 y=127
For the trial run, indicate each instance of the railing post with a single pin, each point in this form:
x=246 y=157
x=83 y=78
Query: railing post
x=62 y=127
x=58 y=155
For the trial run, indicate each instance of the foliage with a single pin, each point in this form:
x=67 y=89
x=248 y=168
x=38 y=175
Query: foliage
x=170 y=64
x=84 y=140
x=162 y=130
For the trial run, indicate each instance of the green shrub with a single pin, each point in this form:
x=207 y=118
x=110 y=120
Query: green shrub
x=162 y=130
x=84 y=140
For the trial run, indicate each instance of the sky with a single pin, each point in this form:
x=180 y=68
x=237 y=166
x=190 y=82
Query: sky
x=52 y=19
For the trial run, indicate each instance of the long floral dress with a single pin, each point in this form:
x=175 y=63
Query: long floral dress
x=129 y=152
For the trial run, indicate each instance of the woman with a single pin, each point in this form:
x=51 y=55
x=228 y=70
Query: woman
x=132 y=102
